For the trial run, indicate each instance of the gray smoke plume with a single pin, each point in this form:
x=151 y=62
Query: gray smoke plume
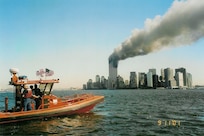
x=182 y=24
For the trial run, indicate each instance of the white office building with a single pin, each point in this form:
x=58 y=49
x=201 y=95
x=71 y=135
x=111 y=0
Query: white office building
x=149 y=79
x=179 y=79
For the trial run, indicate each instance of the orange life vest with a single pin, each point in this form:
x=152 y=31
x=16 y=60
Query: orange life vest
x=28 y=94
x=14 y=79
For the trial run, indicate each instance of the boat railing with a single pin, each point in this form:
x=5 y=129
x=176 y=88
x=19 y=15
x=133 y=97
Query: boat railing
x=77 y=97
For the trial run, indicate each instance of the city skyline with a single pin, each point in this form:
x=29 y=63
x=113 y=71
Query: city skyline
x=166 y=78
x=76 y=38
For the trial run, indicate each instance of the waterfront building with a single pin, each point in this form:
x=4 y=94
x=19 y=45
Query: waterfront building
x=149 y=80
x=112 y=76
x=189 y=81
x=104 y=83
x=162 y=77
x=120 y=82
x=103 y=80
x=142 y=80
x=182 y=70
x=169 y=78
x=97 y=79
x=179 y=79
x=155 y=81
x=133 y=80
x=126 y=83
x=172 y=84
x=97 y=82
x=84 y=87
x=90 y=84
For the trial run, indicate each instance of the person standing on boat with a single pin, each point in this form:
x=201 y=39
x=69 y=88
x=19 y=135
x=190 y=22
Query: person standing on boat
x=33 y=103
x=27 y=94
x=28 y=98
x=38 y=93
x=14 y=79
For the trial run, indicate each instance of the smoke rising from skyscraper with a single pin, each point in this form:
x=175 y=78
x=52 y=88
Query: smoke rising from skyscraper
x=182 y=24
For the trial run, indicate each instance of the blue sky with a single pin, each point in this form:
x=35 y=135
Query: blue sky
x=74 y=38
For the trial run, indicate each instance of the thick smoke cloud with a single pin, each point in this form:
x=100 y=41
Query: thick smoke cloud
x=182 y=24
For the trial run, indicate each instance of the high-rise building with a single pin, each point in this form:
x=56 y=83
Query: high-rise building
x=97 y=83
x=133 y=80
x=142 y=80
x=169 y=77
x=162 y=77
x=90 y=84
x=179 y=79
x=120 y=82
x=155 y=81
x=189 y=81
x=182 y=70
x=126 y=83
x=112 y=76
x=103 y=82
x=84 y=87
x=149 y=80
x=153 y=70
x=97 y=78
x=103 y=79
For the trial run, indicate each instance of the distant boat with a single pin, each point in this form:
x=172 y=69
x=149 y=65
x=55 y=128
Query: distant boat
x=51 y=105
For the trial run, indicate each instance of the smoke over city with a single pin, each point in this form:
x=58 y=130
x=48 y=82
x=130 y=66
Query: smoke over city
x=182 y=24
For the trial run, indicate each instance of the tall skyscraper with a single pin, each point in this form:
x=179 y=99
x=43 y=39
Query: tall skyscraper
x=142 y=80
x=179 y=79
x=155 y=81
x=104 y=82
x=133 y=80
x=98 y=82
x=97 y=78
x=149 y=80
x=103 y=79
x=169 y=77
x=162 y=77
x=182 y=70
x=189 y=81
x=112 y=76
x=90 y=84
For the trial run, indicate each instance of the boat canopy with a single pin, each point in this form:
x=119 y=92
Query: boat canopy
x=45 y=86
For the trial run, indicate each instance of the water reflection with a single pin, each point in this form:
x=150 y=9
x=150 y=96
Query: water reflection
x=73 y=125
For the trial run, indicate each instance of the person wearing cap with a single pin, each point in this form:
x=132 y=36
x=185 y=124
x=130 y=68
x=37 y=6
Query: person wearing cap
x=28 y=95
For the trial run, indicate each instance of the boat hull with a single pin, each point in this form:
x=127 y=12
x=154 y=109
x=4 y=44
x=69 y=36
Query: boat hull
x=66 y=107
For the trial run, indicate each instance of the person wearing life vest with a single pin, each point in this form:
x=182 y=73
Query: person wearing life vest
x=28 y=98
x=14 y=79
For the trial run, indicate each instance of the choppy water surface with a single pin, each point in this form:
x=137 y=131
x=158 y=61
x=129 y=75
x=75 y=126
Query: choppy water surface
x=124 y=112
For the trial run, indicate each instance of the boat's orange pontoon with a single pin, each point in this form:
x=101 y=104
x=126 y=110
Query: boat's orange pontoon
x=50 y=106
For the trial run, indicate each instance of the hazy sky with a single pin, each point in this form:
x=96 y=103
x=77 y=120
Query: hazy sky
x=75 y=38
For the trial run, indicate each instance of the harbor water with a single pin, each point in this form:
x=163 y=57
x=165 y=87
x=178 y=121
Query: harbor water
x=123 y=112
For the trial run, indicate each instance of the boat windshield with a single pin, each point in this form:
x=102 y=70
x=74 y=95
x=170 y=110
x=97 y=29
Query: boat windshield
x=46 y=88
